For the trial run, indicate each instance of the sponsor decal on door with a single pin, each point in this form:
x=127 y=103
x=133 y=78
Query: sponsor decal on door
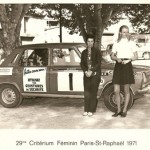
x=34 y=79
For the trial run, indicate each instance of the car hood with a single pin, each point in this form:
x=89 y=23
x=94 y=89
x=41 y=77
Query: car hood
x=143 y=67
x=138 y=67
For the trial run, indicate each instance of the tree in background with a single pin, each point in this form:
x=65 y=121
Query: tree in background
x=87 y=18
x=78 y=18
x=139 y=16
x=11 y=16
x=94 y=18
x=83 y=18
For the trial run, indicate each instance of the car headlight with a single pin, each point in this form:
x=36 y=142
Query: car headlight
x=145 y=79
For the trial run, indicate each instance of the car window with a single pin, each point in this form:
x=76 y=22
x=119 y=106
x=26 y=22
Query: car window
x=34 y=57
x=65 y=57
x=81 y=48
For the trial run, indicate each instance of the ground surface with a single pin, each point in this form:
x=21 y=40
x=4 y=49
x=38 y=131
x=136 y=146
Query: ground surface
x=49 y=113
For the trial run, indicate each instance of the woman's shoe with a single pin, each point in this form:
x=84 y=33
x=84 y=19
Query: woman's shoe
x=90 y=114
x=85 y=113
x=117 y=114
x=124 y=114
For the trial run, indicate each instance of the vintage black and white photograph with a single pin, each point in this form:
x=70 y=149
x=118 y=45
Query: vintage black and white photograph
x=74 y=66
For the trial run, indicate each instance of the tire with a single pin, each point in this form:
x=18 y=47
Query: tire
x=109 y=99
x=10 y=96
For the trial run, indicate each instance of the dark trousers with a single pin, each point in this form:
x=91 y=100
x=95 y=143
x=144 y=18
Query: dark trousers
x=90 y=92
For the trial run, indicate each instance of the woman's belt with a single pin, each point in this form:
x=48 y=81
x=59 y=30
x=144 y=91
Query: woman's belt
x=125 y=59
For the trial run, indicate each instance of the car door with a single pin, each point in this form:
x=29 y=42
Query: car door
x=66 y=74
x=33 y=69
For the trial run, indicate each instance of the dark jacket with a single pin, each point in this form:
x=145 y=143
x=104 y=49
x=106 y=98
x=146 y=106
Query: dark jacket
x=95 y=58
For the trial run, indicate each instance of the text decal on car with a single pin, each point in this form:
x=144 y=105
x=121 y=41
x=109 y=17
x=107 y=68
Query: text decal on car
x=70 y=81
x=34 y=79
x=6 y=71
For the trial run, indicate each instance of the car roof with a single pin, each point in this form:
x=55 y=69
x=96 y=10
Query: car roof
x=40 y=45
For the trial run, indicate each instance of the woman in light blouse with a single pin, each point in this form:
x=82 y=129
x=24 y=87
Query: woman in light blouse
x=123 y=52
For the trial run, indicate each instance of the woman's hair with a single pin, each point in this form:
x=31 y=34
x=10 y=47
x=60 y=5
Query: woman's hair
x=90 y=36
x=120 y=30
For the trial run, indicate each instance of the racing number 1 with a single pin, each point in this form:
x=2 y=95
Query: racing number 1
x=71 y=81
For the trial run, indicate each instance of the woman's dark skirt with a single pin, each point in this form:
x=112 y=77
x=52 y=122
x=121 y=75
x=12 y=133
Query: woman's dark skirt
x=123 y=74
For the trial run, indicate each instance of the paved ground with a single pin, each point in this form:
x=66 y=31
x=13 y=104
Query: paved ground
x=48 y=113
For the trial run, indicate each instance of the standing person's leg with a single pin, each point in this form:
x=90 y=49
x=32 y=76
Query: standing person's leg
x=117 y=98
x=127 y=98
x=94 y=88
x=86 y=94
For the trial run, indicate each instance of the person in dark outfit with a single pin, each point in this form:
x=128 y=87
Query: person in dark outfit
x=123 y=52
x=90 y=64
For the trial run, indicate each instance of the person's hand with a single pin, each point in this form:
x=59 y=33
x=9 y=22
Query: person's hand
x=125 y=61
x=119 y=60
x=88 y=73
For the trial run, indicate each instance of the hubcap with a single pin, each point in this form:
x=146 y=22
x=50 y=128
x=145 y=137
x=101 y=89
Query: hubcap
x=113 y=100
x=8 y=96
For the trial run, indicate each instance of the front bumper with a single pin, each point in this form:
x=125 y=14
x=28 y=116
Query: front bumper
x=145 y=86
x=144 y=90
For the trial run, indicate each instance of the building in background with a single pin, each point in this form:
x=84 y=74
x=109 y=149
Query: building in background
x=34 y=30
x=47 y=30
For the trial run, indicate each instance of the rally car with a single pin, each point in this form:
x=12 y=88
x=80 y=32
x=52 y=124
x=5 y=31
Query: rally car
x=53 y=70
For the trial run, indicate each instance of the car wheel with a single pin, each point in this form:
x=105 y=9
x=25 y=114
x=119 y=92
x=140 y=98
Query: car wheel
x=10 y=96
x=110 y=102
